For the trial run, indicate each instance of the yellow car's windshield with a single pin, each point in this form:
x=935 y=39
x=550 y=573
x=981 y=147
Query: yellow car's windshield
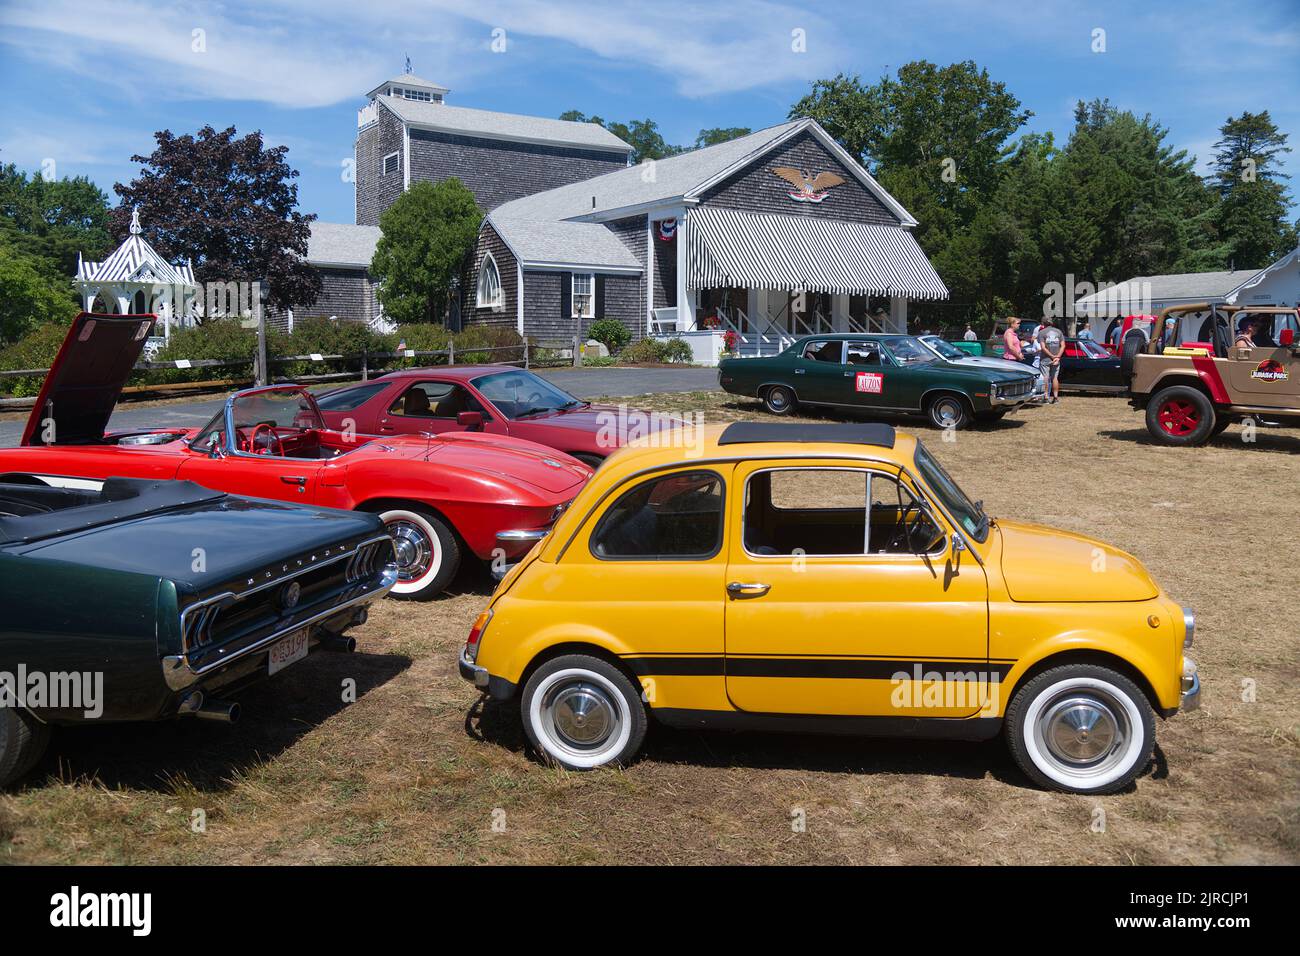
x=969 y=514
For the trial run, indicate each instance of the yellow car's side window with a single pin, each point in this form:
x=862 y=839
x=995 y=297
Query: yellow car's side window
x=677 y=516
x=820 y=512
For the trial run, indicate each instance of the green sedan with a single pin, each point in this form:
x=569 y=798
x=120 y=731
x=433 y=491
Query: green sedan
x=876 y=373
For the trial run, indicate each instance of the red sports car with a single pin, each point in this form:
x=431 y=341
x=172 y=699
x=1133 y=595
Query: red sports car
x=440 y=495
x=496 y=399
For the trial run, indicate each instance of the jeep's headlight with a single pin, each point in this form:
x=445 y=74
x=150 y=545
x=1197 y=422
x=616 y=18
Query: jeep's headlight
x=1189 y=622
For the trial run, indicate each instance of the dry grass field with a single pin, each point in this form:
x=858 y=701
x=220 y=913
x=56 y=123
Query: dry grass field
x=415 y=771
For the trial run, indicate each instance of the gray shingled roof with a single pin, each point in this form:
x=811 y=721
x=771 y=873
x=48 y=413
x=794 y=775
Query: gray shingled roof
x=1192 y=286
x=410 y=79
x=470 y=122
x=674 y=176
x=549 y=242
x=341 y=244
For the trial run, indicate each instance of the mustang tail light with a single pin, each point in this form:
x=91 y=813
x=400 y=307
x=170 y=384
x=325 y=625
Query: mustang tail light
x=475 y=635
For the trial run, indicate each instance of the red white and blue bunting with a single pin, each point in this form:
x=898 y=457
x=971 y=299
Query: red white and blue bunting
x=667 y=230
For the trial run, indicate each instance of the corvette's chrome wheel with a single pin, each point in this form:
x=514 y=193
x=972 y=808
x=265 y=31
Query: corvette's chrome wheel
x=425 y=554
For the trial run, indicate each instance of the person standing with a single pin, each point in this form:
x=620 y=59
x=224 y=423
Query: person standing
x=1051 y=346
x=1013 y=350
x=970 y=335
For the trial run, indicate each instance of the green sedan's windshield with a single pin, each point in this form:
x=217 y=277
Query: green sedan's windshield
x=907 y=350
x=969 y=514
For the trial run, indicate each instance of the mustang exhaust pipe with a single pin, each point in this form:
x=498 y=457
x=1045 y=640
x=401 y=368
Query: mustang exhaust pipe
x=339 y=643
x=222 y=711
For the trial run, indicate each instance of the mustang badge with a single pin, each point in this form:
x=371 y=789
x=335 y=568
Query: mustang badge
x=807 y=188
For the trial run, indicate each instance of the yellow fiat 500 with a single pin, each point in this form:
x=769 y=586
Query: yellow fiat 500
x=831 y=578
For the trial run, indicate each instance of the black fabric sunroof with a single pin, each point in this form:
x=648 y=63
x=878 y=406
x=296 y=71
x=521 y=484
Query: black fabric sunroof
x=867 y=433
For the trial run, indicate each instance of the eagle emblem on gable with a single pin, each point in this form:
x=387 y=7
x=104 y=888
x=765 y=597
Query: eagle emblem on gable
x=807 y=188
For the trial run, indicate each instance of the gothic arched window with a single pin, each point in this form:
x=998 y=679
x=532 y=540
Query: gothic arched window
x=489 y=284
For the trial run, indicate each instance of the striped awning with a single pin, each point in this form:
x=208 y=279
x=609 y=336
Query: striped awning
x=730 y=249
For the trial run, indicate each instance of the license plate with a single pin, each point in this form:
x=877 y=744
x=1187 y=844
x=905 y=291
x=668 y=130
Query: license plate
x=285 y=652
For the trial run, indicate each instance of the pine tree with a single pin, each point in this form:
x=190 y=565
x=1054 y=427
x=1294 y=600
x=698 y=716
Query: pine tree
x=1252 y=215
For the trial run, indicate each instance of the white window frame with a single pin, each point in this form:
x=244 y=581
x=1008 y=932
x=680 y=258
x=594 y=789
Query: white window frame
x=498 y=302
x=589 y=296
x=397 y=168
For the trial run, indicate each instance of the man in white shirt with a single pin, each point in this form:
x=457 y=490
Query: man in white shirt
x=970 y=335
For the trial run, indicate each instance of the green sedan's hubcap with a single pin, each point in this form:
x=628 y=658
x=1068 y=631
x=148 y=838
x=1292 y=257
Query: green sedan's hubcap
x=947 y=412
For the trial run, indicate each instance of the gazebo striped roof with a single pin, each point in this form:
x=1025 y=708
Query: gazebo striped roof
x=131 y=260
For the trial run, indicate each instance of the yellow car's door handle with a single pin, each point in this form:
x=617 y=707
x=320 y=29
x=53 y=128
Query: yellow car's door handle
x=747 y=589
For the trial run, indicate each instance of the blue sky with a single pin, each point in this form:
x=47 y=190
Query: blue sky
x=88 y=81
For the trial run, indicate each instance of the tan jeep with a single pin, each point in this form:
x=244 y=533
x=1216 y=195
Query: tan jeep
x=1192 y=389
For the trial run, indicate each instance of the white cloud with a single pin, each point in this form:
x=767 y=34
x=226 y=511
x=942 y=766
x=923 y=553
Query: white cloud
x=320 y=52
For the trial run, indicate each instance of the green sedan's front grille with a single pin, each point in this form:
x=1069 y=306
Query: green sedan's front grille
x=1015 y=389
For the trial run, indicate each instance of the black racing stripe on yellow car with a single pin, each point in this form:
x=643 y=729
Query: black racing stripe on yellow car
x=699 y=666
x=841 y=668
x=857 y=668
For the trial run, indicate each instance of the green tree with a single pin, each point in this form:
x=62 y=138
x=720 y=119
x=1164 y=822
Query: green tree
x=721 y=134
x=54 y=221
x=938 y=139
x=28 y=296
x=1251 y=218
x=642 y=135
x=425 y=236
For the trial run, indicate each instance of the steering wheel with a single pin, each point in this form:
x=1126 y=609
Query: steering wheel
x=274 y=445
x=901 y=538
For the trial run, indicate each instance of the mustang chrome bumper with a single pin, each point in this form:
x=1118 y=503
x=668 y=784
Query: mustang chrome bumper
x=180 y=673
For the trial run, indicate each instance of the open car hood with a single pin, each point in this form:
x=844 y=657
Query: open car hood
x=86 y=379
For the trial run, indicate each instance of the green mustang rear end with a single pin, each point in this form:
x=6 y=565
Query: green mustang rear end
x=869 y=374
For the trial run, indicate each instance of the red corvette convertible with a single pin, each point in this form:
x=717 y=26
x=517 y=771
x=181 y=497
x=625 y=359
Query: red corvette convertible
x=440 y=495
x=495 y=399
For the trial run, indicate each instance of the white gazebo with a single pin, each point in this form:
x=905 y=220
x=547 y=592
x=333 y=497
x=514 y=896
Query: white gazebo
x=134 y=280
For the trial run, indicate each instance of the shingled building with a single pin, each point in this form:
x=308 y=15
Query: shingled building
x=775 y=234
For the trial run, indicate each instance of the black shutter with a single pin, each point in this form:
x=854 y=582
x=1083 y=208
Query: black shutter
x=600 y=297
x=566 y=295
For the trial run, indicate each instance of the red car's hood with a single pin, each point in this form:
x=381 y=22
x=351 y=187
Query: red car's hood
x=511 y=458
x=86 y=379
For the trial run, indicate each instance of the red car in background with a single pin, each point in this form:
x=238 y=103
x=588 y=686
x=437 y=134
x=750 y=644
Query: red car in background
x=441 y=496
x=494 y=399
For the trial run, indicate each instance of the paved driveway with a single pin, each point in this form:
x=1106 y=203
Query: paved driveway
x=582 y=382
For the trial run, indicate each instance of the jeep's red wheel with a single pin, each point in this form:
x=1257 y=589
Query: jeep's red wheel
x=1180 y=415
x=1179 y=418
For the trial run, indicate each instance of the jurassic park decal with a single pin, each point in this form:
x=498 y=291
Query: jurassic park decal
x=1270 y=370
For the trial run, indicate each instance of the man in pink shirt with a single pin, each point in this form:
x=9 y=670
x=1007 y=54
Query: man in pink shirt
x=1011 y=341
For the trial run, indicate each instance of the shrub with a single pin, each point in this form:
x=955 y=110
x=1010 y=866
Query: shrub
x=37 y=349
x=644 y=350
x=610 y=333
x=677 y=351
x=223 y=339
x=322 y=336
